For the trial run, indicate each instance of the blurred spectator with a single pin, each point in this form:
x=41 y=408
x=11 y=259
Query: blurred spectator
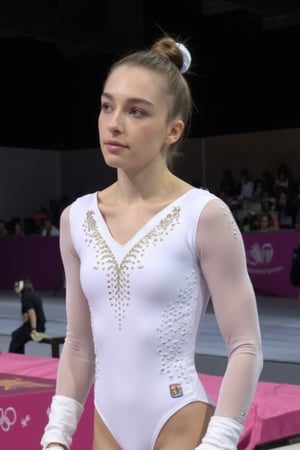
x=282 y=181
x=38 y=218
x=295 y=200
x=246 y=223
x=3 y=229
x=268 y=207
x=297 y=222
x=285 y=211
x=266 y=222
x=268 y=181
x=227 y=183
x=246 y=185
x=49 y=229
x=18 y=229
x=250 y=222
x=259 y=192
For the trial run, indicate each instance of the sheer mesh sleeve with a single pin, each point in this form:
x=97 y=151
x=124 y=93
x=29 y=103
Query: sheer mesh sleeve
x=223 y=262
x=77 y=362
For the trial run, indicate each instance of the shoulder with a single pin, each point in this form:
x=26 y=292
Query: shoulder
x=79 y=203
x=84 y=199
x=201 y=204
x=198 y=198
x=214 y=210
x=217 y=221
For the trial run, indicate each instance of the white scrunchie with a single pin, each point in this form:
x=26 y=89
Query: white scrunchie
x=187 y=59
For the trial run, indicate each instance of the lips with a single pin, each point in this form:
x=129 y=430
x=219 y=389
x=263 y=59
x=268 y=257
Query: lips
x=114 y=145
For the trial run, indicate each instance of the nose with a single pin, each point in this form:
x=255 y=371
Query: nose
x=115 y=124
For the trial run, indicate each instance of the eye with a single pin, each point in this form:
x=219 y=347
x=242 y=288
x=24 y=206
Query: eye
x=105 y=107
x=137 y=112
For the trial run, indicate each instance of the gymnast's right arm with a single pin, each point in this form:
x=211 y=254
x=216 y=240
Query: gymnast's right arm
x=76 y=366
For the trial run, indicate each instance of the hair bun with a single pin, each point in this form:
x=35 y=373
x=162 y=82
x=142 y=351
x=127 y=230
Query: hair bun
x=187 y=59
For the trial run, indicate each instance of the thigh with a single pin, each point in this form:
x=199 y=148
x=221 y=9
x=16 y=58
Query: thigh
x=103 y=439
x=19 y=338
x=185 y=429
x=22 y=333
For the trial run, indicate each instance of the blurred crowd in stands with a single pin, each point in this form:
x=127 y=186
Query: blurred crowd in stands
x=268 y=203
x=43 y=222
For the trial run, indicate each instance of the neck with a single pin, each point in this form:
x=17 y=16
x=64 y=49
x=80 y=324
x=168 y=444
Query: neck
x=153 y=182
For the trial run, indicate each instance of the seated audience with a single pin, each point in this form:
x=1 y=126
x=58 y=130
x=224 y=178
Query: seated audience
x=18 y=229
x=249 y=222
x=283 y=180
x=268 y=181
x=297 y=222
x=266 y=222
x=49 y=229
x=227 y=183
x=285 y=211
x=246 y=185
x=259 y=192
x=38 y=218
x=3 y=229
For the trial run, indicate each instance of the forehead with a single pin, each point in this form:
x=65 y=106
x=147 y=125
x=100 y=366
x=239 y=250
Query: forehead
x=135 y=82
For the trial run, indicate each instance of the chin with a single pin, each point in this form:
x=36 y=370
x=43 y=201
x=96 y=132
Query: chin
x=111 y=161
x=114 y=161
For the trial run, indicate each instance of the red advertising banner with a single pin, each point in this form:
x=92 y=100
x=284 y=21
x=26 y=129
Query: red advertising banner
x=269 y=260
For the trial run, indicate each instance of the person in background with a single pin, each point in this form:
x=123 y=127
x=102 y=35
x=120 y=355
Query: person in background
x=33 y=317
x=142 y=259
x=18 y=229
x=3 y=228
x=285 y=211
x=246 y=185
x=49 y=229
x=266 y=222
x=295 y=203
x=259 y=194
x=282 y=182
x=38 y=218
x=227 y=183
x=297 y=221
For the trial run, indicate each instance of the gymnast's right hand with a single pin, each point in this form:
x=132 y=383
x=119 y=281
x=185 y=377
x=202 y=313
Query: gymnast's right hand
x=65 y=413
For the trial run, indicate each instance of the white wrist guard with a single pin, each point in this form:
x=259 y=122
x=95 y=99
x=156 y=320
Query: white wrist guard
x=65 y=413
x=222 y=433
x=55 y=447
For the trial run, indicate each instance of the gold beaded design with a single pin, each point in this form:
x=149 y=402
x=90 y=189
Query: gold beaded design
x=118 y=275
x=176 y=330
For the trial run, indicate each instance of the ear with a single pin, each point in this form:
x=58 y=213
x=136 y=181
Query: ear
x=175 y=131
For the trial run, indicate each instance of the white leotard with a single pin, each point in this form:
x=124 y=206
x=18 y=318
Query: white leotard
x=146 y=299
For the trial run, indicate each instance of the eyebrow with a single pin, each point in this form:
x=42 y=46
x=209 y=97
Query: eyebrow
x=129 y=100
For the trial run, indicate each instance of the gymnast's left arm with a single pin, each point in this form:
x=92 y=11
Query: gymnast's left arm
x=223 y=263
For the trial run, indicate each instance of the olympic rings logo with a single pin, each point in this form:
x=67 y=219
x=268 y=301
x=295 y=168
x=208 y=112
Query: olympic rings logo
x=8 y=418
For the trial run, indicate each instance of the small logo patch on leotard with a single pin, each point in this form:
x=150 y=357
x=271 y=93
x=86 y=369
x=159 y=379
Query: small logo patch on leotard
x=176 y=390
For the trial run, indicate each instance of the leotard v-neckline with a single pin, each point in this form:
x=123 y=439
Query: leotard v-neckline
x=145 y=226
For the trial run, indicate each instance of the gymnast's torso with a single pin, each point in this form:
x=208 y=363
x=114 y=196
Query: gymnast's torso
x=147 y=299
